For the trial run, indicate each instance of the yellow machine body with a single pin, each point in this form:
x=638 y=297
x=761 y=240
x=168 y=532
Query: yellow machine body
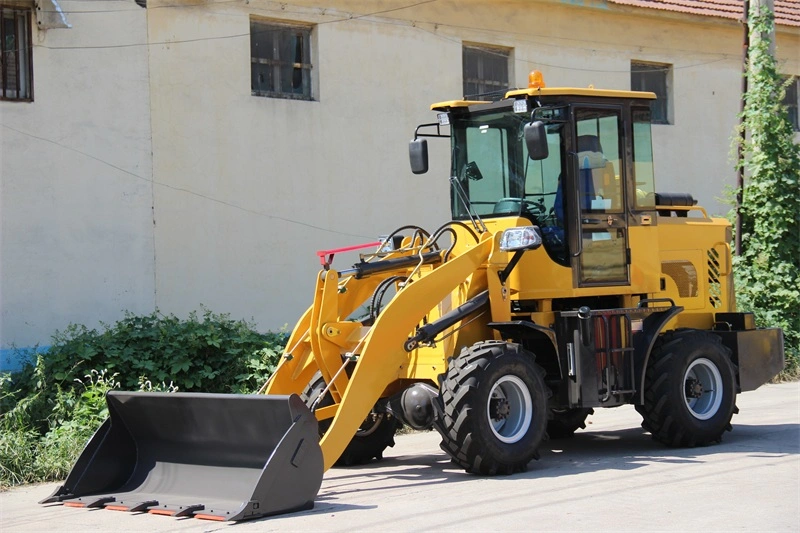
x=677 y=253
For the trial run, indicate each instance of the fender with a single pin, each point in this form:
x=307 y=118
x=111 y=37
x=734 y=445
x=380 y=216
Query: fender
x=522 y=329
x=643 y=342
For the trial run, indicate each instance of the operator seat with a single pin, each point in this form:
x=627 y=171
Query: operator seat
x=593 y=168
x=590 y=159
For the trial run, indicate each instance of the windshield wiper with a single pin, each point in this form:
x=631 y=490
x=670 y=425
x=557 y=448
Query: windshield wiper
x=473 y=216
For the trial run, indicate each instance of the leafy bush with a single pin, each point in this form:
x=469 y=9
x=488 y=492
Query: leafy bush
x=27 y=454
x=17 y=454
x=211 y=353
x=768 y=270
x=50 y=409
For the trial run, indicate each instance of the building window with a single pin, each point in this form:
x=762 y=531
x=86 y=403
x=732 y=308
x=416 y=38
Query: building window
x=655 y=78
x=280 y=60
x=790 y=100
x=486 y=71
x=16 y=68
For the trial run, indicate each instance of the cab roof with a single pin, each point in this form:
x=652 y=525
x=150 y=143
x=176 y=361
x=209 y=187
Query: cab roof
x=555 y=91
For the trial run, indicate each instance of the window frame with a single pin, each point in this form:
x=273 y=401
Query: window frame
x=642 y=161
x=305 y=66
x=485 y=86
x=662 y=107
x=791 y=99
x=601 y=240
x=23 y=55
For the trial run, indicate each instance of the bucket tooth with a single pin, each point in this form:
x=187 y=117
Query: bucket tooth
x=58 y=495
x=190 y=510
x=132 y=507
x=177 y=511
x=210 y=517
x=91 y=502
x=114 y=507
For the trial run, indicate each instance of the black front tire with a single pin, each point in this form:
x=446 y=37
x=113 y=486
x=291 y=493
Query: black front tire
x=690 y=389
x=374 y=435
x=493 y=407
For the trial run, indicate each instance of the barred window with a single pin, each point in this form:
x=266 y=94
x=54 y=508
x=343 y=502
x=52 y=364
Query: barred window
x=654 y=78
x=790 y=100
x=485 y=71
x=280 y=57
x=16 y=67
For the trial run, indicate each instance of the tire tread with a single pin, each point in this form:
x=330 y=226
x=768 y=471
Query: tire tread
x=457 y=420
x=661 y=411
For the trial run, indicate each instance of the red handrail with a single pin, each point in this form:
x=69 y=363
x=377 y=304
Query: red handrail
x=326 y=256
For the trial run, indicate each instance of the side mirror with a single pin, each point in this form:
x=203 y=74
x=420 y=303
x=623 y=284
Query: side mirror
x=536 y=140
x=418 y=155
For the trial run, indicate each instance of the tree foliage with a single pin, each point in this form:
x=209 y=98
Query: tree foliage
x=768 y=270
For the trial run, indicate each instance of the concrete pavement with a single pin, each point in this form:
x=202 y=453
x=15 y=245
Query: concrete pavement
x=611 y=476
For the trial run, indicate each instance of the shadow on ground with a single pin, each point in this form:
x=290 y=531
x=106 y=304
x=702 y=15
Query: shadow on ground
x=587 y=451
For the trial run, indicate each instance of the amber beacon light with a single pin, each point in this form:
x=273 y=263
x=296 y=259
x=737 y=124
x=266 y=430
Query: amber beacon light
x=536 y=80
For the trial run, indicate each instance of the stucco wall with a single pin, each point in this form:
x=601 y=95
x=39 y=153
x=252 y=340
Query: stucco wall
x=247 y=188
x=76 y=243
x=229 y=202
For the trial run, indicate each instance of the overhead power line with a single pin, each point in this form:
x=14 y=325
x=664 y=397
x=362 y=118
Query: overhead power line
x=185 y=190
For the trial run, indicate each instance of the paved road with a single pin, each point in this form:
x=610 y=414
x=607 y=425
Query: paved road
x=611 y=476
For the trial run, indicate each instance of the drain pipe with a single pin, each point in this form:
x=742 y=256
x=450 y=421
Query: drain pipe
x=742 y=132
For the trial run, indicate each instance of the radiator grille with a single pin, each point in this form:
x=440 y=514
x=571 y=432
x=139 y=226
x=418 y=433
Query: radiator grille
x=714 y=273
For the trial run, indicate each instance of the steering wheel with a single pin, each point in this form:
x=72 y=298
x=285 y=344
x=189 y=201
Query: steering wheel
x=513 y=205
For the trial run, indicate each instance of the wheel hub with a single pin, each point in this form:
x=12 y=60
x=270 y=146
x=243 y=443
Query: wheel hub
x=509 y=409
x=694 y=388
x=703 y=388
x=500 y=408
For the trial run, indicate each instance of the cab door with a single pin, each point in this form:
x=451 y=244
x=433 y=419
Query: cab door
x=601 y=255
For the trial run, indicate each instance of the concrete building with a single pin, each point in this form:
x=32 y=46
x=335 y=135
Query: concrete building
x=185 y=152
x=76 y=193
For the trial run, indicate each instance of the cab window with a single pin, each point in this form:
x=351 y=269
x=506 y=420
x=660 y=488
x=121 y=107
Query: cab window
x=643 y=160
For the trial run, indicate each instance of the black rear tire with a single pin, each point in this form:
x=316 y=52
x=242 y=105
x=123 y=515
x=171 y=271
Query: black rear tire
x=493 y=406
x=566 y=422
x=690 y=389
x=374 y=435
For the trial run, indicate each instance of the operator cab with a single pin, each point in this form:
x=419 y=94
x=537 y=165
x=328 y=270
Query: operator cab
x=577 y=163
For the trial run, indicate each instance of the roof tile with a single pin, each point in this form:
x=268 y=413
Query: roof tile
x=787 y=12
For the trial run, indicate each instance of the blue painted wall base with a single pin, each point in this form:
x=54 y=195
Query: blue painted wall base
x=13 y=359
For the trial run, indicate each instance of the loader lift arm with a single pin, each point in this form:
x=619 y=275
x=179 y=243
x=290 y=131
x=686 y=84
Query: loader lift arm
x=380 y=356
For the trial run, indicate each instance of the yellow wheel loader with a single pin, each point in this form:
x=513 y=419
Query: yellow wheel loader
x=563 y=283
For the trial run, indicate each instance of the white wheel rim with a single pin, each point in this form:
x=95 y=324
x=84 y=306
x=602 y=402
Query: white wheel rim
x=512 y=392
x=702 y=389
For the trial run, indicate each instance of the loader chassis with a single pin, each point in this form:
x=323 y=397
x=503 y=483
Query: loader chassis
x=588 y=309
x=563 y=283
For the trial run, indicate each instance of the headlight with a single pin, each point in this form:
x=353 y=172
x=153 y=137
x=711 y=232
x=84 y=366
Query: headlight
x=524 y=238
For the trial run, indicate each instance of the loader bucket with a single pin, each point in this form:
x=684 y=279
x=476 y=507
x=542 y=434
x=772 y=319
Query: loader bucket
x=212 y=456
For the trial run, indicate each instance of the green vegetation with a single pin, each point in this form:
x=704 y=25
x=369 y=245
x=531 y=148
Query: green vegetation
x=52 y=406
x=768 y=270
